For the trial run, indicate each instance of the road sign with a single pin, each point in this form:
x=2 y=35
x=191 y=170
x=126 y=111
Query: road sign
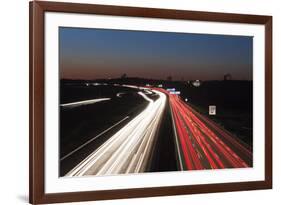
x=175 y=92
x=212 y=110
x=171 y=89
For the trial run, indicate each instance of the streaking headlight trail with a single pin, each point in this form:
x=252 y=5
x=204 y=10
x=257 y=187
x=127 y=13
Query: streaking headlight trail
x=128 y=150
x=84 y=102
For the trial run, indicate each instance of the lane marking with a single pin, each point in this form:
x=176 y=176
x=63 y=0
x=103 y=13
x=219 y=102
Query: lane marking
x=84 y=102
x=89 y=141
x=176 y=136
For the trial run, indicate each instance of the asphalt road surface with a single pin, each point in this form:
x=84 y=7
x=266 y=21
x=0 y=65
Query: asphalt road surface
x=139 y=129
x=202 y=144
x=123 y=127
x=128 y=150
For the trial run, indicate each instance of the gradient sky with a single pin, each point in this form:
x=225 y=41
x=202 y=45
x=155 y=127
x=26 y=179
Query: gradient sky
x=106 y=53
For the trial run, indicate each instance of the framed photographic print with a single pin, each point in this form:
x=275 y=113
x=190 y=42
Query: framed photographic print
x=139 y=102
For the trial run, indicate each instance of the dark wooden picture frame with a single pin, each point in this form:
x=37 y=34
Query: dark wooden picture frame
x=37 y=193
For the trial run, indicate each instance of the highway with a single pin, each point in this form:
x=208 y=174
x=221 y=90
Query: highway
x=129 y=149
x=146 y=140
x=201 y=143
x=90 y=115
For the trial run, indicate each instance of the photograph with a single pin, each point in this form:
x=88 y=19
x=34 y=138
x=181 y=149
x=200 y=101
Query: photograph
x=146 y=101
x=133 y=102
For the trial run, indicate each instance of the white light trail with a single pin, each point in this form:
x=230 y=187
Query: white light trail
x=128 y=150
x=92 y=139
x=130 y=86
x=120 y=94
x=84 y=102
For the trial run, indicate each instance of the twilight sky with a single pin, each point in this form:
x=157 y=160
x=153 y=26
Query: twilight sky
x=106 y=53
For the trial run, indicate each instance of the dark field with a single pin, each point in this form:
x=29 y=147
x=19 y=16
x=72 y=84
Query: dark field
x=234 y=104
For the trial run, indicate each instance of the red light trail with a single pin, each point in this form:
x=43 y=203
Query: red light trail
x=202 y=143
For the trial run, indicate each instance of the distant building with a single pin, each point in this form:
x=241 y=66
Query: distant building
x=169 y=78
x=123 y=76
x=227 y=76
